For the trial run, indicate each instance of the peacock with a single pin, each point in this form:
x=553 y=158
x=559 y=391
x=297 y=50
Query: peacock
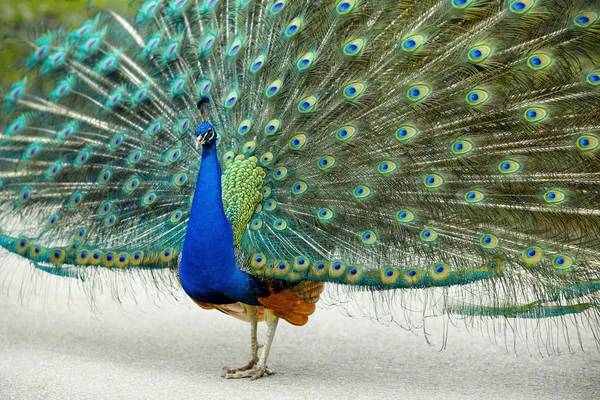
x=423 y=157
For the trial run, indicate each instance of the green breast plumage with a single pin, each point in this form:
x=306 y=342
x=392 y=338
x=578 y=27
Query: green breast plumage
x=241 y=182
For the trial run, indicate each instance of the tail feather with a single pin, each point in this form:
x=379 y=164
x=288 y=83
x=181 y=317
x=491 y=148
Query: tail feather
x=449 y=146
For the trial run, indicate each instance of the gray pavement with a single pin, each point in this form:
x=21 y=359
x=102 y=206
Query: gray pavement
x=52 y=348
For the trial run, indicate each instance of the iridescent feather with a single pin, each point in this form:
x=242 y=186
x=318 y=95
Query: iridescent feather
x=447 y=149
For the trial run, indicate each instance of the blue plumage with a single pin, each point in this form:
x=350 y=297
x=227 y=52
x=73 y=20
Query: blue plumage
x=208 y=269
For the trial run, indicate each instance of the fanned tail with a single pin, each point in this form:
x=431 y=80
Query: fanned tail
x=445 y=148
x=448 y=145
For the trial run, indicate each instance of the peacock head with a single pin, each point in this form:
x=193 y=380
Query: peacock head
x=205 y=132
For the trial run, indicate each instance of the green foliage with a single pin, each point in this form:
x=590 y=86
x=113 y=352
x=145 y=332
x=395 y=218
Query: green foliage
x=18 y=19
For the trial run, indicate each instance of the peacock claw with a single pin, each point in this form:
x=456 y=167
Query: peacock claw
x=255 y=372
x=232 y=370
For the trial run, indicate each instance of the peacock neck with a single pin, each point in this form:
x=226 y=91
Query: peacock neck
x=208 y=269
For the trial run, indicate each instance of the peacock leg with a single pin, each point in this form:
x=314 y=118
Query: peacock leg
x=260 y=369
x=252 y=313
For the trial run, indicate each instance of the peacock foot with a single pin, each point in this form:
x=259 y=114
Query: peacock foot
x=232 y=370
x=255 y=372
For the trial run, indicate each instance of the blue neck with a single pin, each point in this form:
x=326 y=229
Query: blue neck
x=208 y=269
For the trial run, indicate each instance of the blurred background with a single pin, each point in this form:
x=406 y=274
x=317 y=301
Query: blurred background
x=24 y=19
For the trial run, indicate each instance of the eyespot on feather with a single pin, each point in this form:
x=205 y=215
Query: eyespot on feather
x=249 y=147
x=57 y=255
x=270 y=205
x=336 y=269
x=22 y=245
x=148 y=199
x=480 y=53
x=293 y=27
x=539 y=61
x=319 y=268
x=488 y=241
x=474 y=196
x=305 y=61
x=280 y=173
x=412 y=43
x=75 y=200
x=555 y=196
x=258 y=261
x=272 y=127
x=266 y=191
x=354 y=47
x=326 y=162
x=110 y=220
x=361 y=192
x=460 y=4
x=433 y=181
x=532 y=255
x=389 y=275
x=167 y=255
x=406 y=132
x=105 y=208
x=325 y=215
x=266 y=158
x=273 y=88
x=256 y=224
x=345 y=133
x=462 y=147
x=297 y=142
x=428 y=235
x=228 y=156
x=354 y=274
x=535 y=114
x=95 y=257
x=35 y=250
x=235 y=47
x=179 y=179
x=231 y=99
x=136 y=258
x=368 y=237
x=307 y=104
x=279 y=224
x=301 y=264
x=585 y=19
x=593 y=78
x=354 y=90
x=387 y=167
x=521 y=6
x=588 y=142
x=299 y=188
x=24 y=195
x=412 y=276
x=122 y=260
x=257 y=64
x=418 y=93
x=562 y=262
x=477 y=97
x=344 y=7
x=405 y=216
x=439 y=271
x=276 y=6
x=176 y=217
x=509 y=167
x=244 y=126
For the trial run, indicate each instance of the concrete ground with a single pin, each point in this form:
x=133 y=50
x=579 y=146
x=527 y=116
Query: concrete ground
x=59 y=349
